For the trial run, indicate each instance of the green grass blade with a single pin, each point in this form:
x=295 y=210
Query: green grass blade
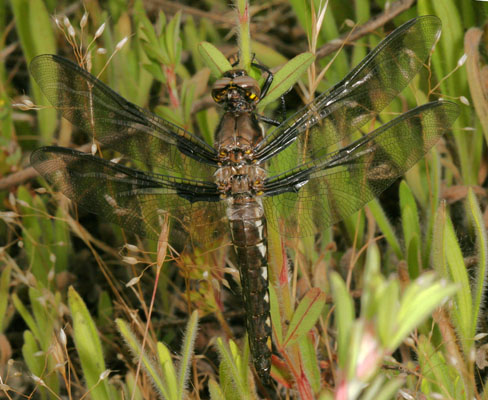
x=344 y=316
x=187 y=353
x=4 y=296
x=385 y=227
x=479 y=283
x=147 y=362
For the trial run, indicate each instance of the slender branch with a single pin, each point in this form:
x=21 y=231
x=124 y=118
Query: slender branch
x=394 y=10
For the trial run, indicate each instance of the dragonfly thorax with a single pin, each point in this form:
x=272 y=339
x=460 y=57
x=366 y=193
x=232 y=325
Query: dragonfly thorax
x=240 y=180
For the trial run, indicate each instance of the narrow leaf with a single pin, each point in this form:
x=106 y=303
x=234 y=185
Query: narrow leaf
x=215 y=391
x=274 y=310
x=306 y=315
x=231 y=368
x=187 y=352
x=344 y=317
x=88 y=346
x=479 y=282
x=214 y=59
x=308 y=355
x=385 y=227
x=169 y=371
x=287 y=76
x=147 y=362
x=463 y=312
x=4 y=289
x=419 y=301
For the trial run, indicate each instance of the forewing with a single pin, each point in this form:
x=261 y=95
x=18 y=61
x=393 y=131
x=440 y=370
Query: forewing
x=137 y=201
x=117 y=123
x=358 y=98
x=319 y=193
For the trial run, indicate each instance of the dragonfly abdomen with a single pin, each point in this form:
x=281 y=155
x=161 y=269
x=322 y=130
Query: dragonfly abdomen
x=248 y=229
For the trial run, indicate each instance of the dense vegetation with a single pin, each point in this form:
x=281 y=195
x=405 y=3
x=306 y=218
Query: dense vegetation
x=386 y=304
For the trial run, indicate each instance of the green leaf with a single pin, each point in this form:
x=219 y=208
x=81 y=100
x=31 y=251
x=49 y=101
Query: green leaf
x=39 y=233
x=30 y=349
x=388 y=304
x=479 y=283
x=448 y=261
x=172 y=39
x=44 y=316
x=187 y=353
x=146 y=361
x=344 y=317
x=418 y=302
x=267 y=55
x=230 y=364
x=287 y=76
x=274 y=310
x=306 y=315
x=33 y=25
x=381 y=390
x=61 y=240
x=215 y=391
x=169 y=372
x=413 y=256
x=308 y=356
x=155 y=70
x=463 y=311
x=4 y=296
x=411 y=228
x=88 y=346
x=191 y=40
x=438 y=379
x=26 y=316
x=438 y=244
x=303 y=13
x=214 y=59
x=385 y=227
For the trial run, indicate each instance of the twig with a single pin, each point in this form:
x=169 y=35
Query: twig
x=28 y=173
x=395 y=9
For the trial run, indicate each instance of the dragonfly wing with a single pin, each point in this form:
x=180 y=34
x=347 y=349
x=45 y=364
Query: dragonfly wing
x=359 y=97
x=117 y=123
x=137 y=201
x=323 y=191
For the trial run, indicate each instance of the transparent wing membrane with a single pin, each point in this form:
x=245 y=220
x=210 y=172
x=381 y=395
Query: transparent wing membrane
x=321 y=192
x=359 y=97
x=117 y=123
x=137 y=201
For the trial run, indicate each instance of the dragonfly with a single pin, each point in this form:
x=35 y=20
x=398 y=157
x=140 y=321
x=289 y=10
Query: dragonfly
x=299 y=177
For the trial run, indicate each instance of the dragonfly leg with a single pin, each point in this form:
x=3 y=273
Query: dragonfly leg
x=268 y=120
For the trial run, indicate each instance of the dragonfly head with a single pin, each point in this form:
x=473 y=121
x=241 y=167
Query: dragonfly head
x=236 y=91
